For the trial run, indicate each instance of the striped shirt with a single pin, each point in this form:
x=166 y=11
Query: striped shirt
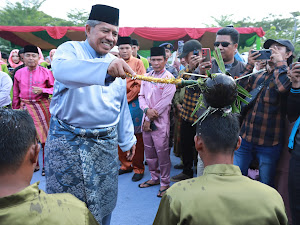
x=264 y=123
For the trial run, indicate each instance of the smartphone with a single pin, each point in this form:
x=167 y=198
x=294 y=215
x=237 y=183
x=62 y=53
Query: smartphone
x=196 y=52
x=153 y=127
x=265 y=54
x=206 y=54
x=299 y=59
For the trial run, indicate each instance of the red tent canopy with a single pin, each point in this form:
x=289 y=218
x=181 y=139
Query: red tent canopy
x=50 y=37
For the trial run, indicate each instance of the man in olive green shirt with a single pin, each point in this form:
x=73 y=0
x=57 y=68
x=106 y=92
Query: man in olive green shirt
x=20 y=202
x=222 y=195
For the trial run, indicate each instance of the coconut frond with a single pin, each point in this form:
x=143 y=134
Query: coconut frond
x=219 y=60
x=200 y=104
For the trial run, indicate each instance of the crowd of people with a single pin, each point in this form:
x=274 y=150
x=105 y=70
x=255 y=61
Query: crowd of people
x=94 y=123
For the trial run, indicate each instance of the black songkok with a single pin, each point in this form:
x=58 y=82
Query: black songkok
x=135 y=42
x=124 y=41
x=31 y=48
x=105 y=14
x=157 y=51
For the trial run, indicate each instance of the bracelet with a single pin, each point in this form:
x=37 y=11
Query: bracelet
x=145 y=110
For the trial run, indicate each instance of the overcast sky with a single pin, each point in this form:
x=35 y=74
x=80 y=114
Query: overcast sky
x=175 y=13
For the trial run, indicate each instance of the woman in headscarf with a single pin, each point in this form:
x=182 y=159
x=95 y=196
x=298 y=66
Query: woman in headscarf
x=14 y=60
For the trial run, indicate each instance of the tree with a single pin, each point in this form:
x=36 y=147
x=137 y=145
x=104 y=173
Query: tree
x=26 y=14
x=78 y=17
x=225 y=20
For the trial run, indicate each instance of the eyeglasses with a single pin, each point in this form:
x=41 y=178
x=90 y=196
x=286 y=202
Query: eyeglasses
x=223 y=43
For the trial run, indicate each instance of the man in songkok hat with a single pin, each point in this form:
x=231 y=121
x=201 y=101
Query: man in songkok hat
x=32 y=86
x=90 y=114
x=133 y=89
x=155 y=100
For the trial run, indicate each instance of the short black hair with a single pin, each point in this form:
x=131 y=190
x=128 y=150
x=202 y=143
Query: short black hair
x=21 y=51
x=17 y=134
x=4 y=55
x=219 y=132
x=233 y=33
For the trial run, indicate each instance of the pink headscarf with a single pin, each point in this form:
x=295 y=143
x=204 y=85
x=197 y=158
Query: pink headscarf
x=41 y=57
x=11 y=63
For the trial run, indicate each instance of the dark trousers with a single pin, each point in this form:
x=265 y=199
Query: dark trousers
x=294 y=181
x=187 y=133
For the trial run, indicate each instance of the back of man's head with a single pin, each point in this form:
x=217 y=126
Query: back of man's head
x=219 y=132
x=17 y=134
x=4 y=55
x=233 y=33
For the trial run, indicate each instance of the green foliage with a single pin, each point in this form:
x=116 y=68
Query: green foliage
x=78 y=17
x=219 y=60
x=225 y=20
x=27 y=13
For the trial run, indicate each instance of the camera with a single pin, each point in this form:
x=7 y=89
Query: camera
x=265 y=54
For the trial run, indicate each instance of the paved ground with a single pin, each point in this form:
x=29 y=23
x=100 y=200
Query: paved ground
x=135 y=206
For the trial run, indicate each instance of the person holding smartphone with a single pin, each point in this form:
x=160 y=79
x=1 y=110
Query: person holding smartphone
x=227 y=40
x=192 y=55
x=262 y=130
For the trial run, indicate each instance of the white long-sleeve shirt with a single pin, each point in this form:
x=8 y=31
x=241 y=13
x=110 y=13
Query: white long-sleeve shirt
x=5 y=88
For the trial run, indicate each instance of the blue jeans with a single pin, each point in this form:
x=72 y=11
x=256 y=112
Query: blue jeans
x=267 y=156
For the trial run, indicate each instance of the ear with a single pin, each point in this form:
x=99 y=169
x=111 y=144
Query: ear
x=199 y=144
x=288 y=54
x=238 y=144
x=88 y=29
x=235 y=45
x=34 y=151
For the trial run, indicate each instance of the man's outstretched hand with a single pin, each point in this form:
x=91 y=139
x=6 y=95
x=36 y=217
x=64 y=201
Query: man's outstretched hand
x=119 y=68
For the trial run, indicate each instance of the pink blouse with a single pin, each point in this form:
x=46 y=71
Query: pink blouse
x=24 y=81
